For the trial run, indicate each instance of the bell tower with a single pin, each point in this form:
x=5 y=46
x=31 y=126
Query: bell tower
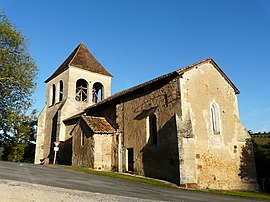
x=78 y=83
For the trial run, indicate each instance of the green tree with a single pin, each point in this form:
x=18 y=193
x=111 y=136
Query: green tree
x=17 y=84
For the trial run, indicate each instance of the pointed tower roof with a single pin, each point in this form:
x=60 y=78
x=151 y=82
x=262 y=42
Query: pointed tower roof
x=83 y=59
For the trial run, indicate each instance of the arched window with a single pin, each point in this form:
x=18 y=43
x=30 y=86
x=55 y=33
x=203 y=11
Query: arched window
x=53 y=94
x=61 y=92
x=215 y=121
x=81 y=90
x=153 y=128
x=97 y=93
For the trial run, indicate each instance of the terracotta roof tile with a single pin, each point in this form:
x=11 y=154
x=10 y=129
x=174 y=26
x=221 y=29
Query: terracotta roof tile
x=83 y=59
x=98 y=124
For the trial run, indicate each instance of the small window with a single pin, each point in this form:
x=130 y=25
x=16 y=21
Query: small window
x=153 y=128
x=53 y=94
x=215 y=121
x=82 y=137
x=61 y=92
x=97 y=92
x=81 y=90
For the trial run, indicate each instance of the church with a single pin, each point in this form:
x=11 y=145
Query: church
x=182 y=127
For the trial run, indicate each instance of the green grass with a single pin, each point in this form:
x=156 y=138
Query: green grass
x=261 y=141
x=258 y=195
x=145 y=180
x=124 y=176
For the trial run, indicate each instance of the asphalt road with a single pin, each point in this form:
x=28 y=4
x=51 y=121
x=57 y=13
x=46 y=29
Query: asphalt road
x=70 y=179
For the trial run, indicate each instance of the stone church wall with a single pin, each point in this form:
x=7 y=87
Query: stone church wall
x=51 y=132
x=40 y=137
x=103 y=152
x=96 y=150
x=83 y=155
x=217 y=157
x=159 y=160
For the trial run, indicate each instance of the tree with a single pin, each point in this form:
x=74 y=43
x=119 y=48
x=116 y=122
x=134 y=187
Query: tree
x=17 y=84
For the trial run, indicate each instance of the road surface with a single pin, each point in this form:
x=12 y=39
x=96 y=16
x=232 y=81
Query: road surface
x=60 y=177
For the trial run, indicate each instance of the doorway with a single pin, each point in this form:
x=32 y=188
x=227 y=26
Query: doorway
x=130 y=159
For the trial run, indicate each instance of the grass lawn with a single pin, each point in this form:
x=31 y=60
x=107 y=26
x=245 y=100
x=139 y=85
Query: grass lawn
x=155 y=182
x=125 y=176
x=257 y=195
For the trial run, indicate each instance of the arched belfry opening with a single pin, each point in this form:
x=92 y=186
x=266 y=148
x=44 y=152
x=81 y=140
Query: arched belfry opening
x=97 y=92
x=81 y=90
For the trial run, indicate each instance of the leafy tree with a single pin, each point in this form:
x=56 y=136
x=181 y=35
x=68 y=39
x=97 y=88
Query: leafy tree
x=17 y=84
x=262 y=158
x=29 y=152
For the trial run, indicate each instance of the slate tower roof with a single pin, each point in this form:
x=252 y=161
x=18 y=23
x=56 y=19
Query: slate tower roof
x=83 y=59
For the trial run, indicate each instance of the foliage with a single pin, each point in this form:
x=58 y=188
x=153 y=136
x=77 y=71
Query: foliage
x=259 y=134
x=29 y=153
x=17 y=83
x=262 y=158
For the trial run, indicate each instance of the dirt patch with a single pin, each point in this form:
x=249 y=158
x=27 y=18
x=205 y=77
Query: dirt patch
x=13 y=191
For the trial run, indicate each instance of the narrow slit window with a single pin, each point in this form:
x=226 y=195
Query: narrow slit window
x=153 y=128
x=61 y=91
x=215 y=121
x=82 y=138
x=53 y=94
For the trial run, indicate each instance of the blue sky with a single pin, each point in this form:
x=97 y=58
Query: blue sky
x=142 y=39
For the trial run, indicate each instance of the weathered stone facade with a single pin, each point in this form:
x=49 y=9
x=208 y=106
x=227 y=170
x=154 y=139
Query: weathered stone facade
x=158 y=160
x=63 y=100
x=216 y=157
x=91 y=149
x=183 y=127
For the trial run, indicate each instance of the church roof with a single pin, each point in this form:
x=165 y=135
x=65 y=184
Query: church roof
x=98 y=124
x=131 y=91
x=83 y=59
x=166 y=76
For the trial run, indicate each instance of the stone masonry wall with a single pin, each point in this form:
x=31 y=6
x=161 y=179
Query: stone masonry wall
x=160 y=160
x=217 y=157
x=40 y=137
x=96 y=152
x=64 y=109
x=83 y=155
x=103 y=152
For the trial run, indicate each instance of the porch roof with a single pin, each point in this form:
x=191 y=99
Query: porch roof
x=98 y=124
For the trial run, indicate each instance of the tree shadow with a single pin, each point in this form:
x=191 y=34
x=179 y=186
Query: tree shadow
x=248 y=172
